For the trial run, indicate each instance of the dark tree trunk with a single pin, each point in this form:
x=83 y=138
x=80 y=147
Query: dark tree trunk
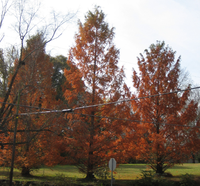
x=193 y=158
x=159 y=167
x=25 y=171
x=90 y=176
x=90 y=167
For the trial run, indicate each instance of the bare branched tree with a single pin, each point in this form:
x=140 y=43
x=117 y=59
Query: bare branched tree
x=28 y=22
x=184 y=79
x=5 y=6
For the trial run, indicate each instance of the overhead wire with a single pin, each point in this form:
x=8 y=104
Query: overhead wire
x=89 y=106
x=71 y=110
x=126 y=100
x=103 y=104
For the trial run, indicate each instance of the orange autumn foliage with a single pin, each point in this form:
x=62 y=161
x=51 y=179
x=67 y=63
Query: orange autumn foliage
x=94 y=78
x=37 y=134
x=162 y=138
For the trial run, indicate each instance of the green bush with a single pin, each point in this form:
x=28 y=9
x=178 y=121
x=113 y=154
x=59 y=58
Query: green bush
x=148 y=179
x=187 y=180
x=62 y=180
x=103 y=173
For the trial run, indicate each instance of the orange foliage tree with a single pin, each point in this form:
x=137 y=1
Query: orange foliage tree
x=37 y=140
x=162 y=138
x=94 y=78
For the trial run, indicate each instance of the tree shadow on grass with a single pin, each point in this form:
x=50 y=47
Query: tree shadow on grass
x=4 y=173
x=132 y=166
x=18 y=176
x=179 y=167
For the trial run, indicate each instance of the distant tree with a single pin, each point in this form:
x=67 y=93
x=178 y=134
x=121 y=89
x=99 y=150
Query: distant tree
x=4 y=72
x=163 y=139
x=7 y=58
x=58 y=78
x=195 y=96
x=93 y=78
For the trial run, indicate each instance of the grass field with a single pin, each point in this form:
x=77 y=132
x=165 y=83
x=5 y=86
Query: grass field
x=132 y=171
x=123 y=172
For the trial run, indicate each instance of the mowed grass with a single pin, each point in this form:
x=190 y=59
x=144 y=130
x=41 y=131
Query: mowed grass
x=133 y=171
x=44 y=174
x=122 y=172
x=59 y=170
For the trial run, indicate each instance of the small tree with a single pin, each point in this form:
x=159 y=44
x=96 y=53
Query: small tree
x=58 y=78
x=163 y=139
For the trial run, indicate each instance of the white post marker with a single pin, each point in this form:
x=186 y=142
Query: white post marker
x=112 y=166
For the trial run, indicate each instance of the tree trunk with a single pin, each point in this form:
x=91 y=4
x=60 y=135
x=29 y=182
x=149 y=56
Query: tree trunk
x=90 y=171
x=193 y=158
x=90 y=166
x=90 y=176
x=25 y=171
x=159 y=168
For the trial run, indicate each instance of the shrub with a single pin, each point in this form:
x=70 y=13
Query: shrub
x=61 y=179
x=187 y=180
x=148 y=179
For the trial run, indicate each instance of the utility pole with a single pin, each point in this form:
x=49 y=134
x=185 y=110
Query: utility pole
x=14 y=142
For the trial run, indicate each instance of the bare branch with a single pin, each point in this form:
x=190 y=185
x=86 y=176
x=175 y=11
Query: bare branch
x=5 y=6
x=28 y=21
x=25 y=16
x=58 y=22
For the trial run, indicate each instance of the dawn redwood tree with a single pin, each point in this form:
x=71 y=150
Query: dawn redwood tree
x=94 y=78
x=162 y=138
x=36 y=136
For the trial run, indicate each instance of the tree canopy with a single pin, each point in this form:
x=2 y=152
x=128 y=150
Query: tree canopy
x=33 y=82
x=96 y=80
x=163 y=138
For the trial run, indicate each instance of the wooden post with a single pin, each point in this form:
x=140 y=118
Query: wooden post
x=14 y=142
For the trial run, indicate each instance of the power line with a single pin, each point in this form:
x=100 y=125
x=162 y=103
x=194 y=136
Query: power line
x=103 y=104
x=97 y=105
x=126 y=100
x=90 y=106
x=107 y=117
x=46 y=112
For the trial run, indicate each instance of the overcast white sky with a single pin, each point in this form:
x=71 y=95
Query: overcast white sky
x=138 y=24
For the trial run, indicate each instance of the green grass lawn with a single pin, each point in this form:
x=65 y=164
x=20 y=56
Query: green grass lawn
x=122 y=172
x=132 y=171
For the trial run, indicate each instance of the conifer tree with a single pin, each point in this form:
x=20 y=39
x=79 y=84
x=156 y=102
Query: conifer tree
x=162 y=138
x=94 y=78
